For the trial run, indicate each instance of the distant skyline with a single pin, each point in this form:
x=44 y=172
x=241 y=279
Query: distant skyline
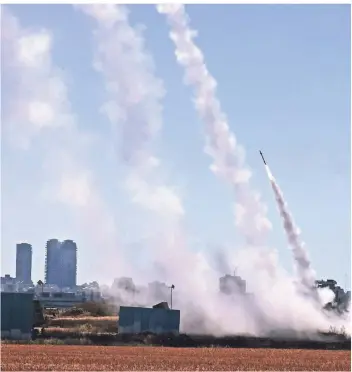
x=283 y=74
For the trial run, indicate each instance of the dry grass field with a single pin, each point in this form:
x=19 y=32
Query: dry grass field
x=84 y=323
x=85 y=319
x=111 y=358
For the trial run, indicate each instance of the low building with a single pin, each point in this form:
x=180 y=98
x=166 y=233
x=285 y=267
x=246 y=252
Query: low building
x=9 y=284
x=232 y=284
x=60 y=299
x=154 y=320
x=17 y=315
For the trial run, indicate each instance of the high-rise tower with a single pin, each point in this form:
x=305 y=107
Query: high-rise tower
x=53 y=262
x=24 y=263
x=61 y=263
x=69 y=263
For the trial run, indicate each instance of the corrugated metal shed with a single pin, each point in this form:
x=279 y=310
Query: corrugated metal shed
x=141 y=319
x=17 y=315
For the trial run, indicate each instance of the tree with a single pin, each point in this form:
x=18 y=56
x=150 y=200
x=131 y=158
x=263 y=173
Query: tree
x=41 y=284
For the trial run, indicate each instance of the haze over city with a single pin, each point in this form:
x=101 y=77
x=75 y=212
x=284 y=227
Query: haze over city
x=104 y=148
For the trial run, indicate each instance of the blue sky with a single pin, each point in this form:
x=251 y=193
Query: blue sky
x=283 y=76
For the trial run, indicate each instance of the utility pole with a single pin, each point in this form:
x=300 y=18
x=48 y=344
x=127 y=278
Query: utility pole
x=171 y=288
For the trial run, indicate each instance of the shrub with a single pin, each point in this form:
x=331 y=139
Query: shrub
x=91 y=309
x=74 y=311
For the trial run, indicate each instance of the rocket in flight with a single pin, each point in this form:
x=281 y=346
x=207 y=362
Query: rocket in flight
x=261 y=154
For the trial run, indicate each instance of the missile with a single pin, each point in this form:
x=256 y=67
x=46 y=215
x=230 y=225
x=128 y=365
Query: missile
x=261 y=154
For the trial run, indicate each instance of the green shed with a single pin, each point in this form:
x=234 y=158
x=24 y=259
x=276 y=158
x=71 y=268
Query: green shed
x=17 y=315
x=155 y=320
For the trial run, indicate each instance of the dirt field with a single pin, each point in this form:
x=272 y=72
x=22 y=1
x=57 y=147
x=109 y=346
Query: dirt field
x=102 y=358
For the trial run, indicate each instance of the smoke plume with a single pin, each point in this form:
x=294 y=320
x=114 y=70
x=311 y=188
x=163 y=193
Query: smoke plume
x=221 y=145
x=38 y=117
x=303 y=265
x=269 y=309
x=134 y=109
x=134 y=106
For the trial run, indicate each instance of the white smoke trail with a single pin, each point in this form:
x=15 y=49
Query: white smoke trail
x=277 y=302
x=195 y=282
x=35 y=99
x=134 y=109
x=228 y=156
x=303 y=265
x=134 y=103
x=37 y=108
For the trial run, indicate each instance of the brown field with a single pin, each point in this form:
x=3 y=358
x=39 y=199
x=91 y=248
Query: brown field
x=112 y=358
